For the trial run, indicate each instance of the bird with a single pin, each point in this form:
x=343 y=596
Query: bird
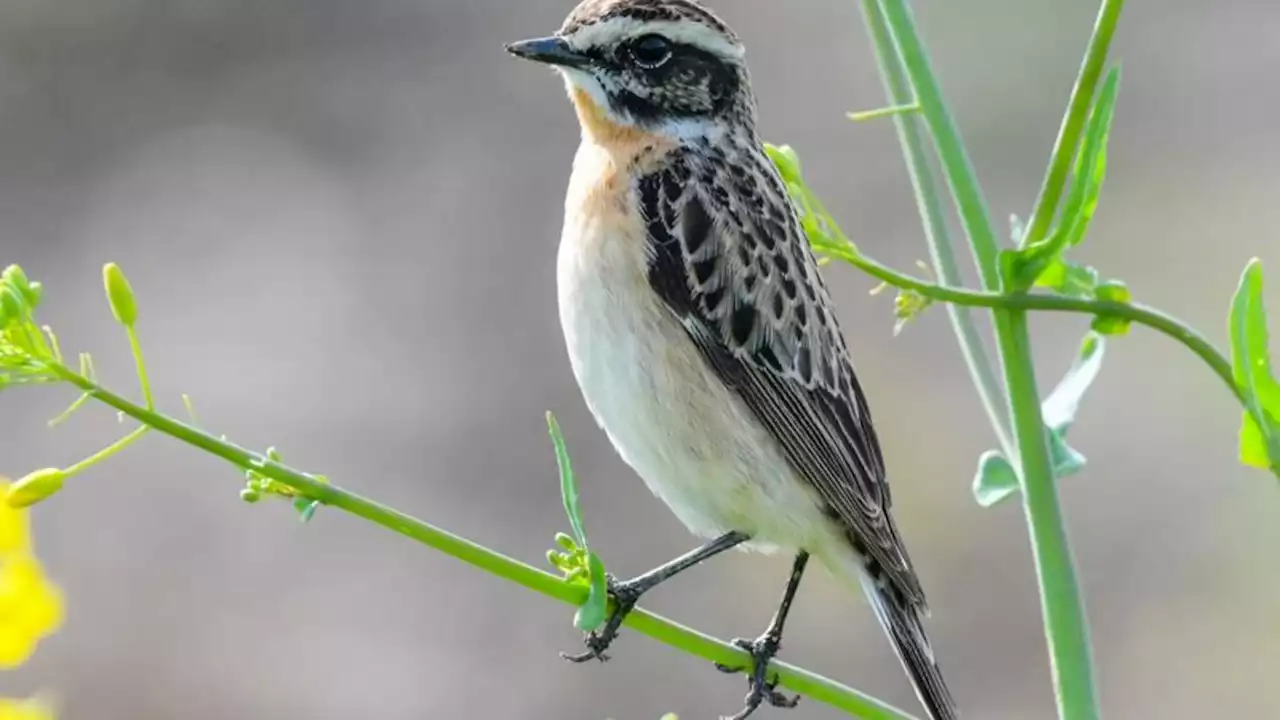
x=701 y=334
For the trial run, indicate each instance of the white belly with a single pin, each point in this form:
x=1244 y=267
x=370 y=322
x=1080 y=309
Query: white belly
x=694 y=444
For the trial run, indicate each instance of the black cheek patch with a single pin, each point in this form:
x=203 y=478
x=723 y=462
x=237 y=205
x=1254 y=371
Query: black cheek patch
x=693 y=83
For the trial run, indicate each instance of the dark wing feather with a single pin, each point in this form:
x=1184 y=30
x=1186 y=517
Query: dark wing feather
x=727 y=256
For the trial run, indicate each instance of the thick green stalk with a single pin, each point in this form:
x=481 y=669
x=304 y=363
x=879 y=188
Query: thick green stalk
x=1073 y=122
x=1062 y=604
x=983 y=370
x=809 y=684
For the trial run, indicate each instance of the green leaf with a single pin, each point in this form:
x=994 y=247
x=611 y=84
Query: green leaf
x=1066 y=460
x=823 y=232
x=996 y=479
x=1089 y=171
x=1251 y=367
x=591 y=614
x=786 y=160
x=1091 y=162
x=568 y=488
x=1059 y=409
x=1069 y=278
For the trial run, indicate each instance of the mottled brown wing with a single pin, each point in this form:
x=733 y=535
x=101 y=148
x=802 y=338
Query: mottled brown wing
x=727 y=255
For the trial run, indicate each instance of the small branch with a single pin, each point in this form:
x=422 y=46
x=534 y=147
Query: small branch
x=869 y=115
x=1134 y=312
x=809 y=684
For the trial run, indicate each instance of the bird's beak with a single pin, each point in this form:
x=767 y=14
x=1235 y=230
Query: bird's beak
x=549 y=50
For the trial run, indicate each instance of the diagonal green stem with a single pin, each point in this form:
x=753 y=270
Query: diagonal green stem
x=983 y=370
x=1047 y=302
x=1062 y=604
x=809 y=684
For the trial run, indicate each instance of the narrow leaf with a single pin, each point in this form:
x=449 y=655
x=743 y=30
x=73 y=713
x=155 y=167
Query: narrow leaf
x=568 y=488
x=591 y=613
x=1060 y=407
x=1091 y=162
x=1082 y=195
x=997 y=479
x=1251 y=366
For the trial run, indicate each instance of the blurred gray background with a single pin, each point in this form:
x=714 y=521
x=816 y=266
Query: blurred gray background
x=340 y=219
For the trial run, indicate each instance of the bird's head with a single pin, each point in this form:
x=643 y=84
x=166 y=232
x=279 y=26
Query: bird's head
x=669 y=68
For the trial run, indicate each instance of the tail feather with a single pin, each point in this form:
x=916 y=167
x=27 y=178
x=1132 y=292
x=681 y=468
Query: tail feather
x=901 y=622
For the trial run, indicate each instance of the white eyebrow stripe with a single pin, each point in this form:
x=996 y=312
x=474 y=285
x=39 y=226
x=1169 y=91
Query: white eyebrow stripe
x=686 y=32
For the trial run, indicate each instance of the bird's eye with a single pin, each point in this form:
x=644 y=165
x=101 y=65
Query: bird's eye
x=650 y=51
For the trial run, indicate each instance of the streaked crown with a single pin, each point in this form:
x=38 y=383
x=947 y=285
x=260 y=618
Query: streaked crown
x=671 y=67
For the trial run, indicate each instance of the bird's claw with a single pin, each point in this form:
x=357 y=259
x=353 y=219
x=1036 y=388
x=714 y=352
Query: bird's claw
x=596 y=644
x=624 y=596
x=761 y=689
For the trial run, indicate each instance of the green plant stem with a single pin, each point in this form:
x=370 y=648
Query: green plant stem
x=869 y=115
x=1134 y=312
x=1062 y=604
x=809 y=684
x=106 y=452
x=1073 y=122
x=941 y=253
x=144 y=381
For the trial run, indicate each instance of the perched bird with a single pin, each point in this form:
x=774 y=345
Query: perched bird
x=700 y=332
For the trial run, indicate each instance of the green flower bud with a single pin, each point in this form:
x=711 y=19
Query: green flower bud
x=120 y=295
x=14 y=275
x=34 y=292
x=12 y=304
x=566 y=542
x=33 y=488
x=786 y=160
x=250 y=495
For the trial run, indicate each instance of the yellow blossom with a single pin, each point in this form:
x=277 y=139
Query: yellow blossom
x=34 y=709
x=30 y=605
x=30 y=609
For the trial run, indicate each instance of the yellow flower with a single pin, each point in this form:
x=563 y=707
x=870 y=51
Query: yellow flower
x=34 y=709
x=30 y=605
x=30 y=609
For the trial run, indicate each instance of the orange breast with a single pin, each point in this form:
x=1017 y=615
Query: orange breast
x=623 y=141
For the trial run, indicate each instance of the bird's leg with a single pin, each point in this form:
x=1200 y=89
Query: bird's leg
x=765 y=647
x=626 y=593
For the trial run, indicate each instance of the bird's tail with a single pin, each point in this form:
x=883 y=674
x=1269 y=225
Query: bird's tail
x=901 y=622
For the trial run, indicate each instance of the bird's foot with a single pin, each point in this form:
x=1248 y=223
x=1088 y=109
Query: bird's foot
x=761 y=690
x=625 y=595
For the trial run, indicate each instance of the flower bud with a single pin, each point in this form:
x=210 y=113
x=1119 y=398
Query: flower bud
x=120 y=295
x=14 y=276
x=786 y=160
x=12 y=304
x=34 y=292
x=33 y=488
